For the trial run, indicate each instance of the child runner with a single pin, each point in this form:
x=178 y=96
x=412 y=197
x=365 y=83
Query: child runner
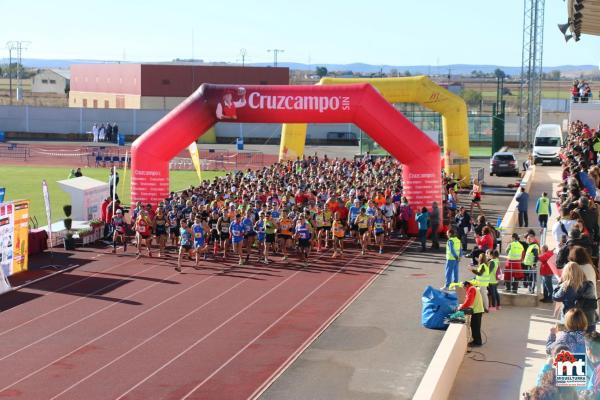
x=379 y=229
x=185 y=241
x=143 y=227
x=199 y=230
x=284 y=233
x=118 y=223
x=249 y=232
x=160 y=230
x=303 y=235
x=338 y=236
x=236 y=232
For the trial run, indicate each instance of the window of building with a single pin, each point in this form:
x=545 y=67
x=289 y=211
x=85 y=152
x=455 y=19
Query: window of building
x=166 y=82
x=52 y=81
x=84 y=103
x=44 y=80
x=106 y=104
x=95 y=103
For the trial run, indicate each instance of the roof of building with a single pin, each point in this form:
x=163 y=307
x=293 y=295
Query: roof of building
x=65 y=73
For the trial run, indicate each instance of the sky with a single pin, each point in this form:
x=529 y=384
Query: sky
x=392 y=32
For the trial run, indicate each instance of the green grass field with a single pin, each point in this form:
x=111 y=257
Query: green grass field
x=26 y=183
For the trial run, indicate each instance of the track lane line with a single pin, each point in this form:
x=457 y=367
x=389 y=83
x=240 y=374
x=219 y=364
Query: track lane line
x=306 y=297
x=287 y=363
x=222 y=325
x=55 y=292
x=111 y=330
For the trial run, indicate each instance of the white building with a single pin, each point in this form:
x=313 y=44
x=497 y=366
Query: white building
x=51 y=81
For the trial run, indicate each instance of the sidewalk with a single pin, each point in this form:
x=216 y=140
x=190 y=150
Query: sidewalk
x=515 y=335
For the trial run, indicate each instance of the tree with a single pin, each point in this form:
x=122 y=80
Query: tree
x=498 y=73
x=471 y=97
x=555 y=75
x=393 y=72
x=407 y=73
x=321 y=71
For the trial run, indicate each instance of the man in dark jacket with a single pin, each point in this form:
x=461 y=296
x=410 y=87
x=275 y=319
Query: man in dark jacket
x=523 y=205
x=463 y=226
x=589 y=216
x=434 y=220
x=575 y=239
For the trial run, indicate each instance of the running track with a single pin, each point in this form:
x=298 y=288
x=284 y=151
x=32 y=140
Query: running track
x=122 y=328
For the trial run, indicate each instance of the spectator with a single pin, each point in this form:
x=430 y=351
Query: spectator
x=78 y=173
x=530 y=262
x=574 y=290
x=71 y=174
x=463 y=226
x=484 y=243
x=115 y=131
x=546 y=274
x=113 y=181
x=434 y=219
x=95 y=133
x=572 y=336
x=523 y=205
x=109 y=132
x=102 y=133
x=494 y=263
x=580 y=256
x=453 y=253
x=422 y=219
x=563 y=226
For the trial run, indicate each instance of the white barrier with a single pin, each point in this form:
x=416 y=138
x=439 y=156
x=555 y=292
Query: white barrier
x=441 y=373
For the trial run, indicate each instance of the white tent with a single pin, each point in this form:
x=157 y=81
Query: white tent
x=87 y=195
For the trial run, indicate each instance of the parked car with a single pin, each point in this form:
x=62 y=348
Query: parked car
x=504 y=163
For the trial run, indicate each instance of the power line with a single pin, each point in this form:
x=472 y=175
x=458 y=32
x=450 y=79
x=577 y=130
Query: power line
x=17 y=46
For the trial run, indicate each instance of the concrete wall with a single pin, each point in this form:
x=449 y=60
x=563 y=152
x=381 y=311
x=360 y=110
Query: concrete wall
x=104 y=100
x=589 y=113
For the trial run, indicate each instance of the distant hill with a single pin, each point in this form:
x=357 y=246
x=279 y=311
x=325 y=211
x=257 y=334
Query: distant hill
x=456 y=69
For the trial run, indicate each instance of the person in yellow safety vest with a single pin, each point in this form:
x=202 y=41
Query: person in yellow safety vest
x=493 y=257
x=473 y=304
x=530 y=261
x=482 y=278
x=513 y=272
x=453 y=253
x=543 y=209
x=596 y=146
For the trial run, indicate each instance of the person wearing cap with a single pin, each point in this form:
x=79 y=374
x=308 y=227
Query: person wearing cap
x=473 y=305
x=119 y=230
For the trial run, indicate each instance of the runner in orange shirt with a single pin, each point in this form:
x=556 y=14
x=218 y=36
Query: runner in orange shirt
x=284 y=233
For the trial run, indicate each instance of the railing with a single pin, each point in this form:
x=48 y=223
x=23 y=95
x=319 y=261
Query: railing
x=15 y=151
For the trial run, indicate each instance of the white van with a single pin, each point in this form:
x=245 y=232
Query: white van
x=547 y=143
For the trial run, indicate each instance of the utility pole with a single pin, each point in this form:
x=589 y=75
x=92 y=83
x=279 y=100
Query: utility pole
x=243 y=53
x=18 y=46
x=275 y=52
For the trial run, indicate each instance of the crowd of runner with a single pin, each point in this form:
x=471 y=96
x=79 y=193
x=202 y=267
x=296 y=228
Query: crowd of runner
x=288 y=208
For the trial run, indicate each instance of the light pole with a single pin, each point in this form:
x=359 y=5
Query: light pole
x=243 y=53
x=275 y=52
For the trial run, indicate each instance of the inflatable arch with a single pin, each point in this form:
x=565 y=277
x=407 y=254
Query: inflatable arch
x=360 y=104
x=418 y=89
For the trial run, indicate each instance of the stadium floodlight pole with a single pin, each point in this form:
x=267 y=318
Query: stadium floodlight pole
x=275 y=52
x=11 y=45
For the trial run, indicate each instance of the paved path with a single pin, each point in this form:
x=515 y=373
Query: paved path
x=514 y=335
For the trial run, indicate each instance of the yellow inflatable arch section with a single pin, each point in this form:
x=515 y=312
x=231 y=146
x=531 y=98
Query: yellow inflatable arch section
x=417 y=89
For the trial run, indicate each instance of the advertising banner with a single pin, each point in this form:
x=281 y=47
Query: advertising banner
x=48 y=209
x=14 y=236
x=2 y=193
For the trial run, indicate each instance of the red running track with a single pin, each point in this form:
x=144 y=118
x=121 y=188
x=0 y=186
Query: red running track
x=135 y=329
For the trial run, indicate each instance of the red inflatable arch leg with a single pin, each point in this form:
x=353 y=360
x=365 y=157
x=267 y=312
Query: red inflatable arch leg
x=357 y=103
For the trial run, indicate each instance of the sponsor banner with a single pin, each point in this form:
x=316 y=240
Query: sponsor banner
x=48 y=208
x=570 y=369
x=14 y=236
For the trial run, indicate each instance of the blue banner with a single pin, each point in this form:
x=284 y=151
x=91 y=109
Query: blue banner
x=2 y=192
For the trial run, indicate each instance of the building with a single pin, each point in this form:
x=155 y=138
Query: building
x=51 y=81
x=157 y=86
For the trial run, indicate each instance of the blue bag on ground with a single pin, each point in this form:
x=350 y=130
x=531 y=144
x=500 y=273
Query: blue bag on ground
x=437 y=305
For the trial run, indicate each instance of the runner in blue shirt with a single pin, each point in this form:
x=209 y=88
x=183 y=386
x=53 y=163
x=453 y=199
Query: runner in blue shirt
x=200 y=230
x=379 y=229
x=303 y=234
x=353 y=212
x=249 y=232
x=259 y=227
x=236 y=232
x=185 y=241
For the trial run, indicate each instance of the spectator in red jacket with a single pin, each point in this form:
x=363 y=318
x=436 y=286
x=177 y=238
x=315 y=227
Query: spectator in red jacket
x=546 y=273
x=484 y=242
x=105 y=217
x=474 y=303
